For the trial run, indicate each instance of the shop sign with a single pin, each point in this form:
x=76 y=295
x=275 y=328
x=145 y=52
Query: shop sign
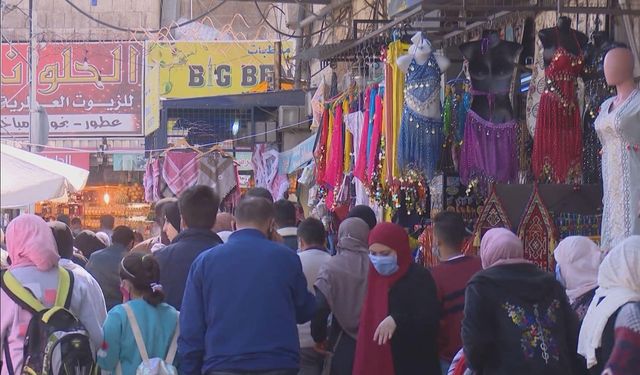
x=87 y=89
x=245 y=181
x=292 y=160
x=244 y=161
x=75 y=158
x=197 y=69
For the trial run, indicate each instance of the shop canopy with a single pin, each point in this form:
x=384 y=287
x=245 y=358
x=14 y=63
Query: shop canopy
x=27 y=178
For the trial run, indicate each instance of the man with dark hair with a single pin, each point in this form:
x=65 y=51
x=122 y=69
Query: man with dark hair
x=107 y=222
x=198 y=210
x=161 y=239
x=451 y=277
x=76 y=226
x=313 y=255
x=63 y=218
x=242 y=302
x=286 y=222
x=258 y=192
x=64 y=242
x=104 y=264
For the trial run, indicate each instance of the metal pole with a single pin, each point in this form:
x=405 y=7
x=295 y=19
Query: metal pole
x=33 y=72
x=299 y=44
x=277 y=66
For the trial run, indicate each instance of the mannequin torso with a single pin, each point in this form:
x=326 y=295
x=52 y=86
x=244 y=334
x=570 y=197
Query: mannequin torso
x=491 y=65
x=562 y=36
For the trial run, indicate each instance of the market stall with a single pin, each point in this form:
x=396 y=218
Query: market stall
x=495 y=115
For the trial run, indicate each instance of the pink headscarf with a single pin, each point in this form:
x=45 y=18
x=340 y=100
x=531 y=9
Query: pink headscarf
x=500 y=246
x=30 y=242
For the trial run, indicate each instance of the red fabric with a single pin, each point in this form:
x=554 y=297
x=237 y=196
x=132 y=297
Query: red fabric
x=180 y=170
x=538 y=233
x=557 y=143
x=451 y=281
x=461 y=366
x=371 y=358
x=361 y=161
x=336 y=154
x=375 y=138
x=321 y=150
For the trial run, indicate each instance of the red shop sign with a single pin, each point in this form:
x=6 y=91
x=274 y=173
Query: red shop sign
x=77 y=159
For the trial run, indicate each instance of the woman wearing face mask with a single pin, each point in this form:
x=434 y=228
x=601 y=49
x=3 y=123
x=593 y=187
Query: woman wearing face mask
x=400 y=315
x=517 y=319
x=577 y=263
x=143 y=309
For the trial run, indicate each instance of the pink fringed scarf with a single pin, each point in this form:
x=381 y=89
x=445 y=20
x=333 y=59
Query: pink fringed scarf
x=375 y=138
x=361 y=161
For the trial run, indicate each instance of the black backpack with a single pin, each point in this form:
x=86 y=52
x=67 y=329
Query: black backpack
x=56 y=342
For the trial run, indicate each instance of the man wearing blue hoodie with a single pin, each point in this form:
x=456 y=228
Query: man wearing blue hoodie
x=243 y=301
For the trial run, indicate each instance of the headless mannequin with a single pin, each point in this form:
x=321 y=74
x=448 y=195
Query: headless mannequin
x=491 y=66
x=421 y=51
x=595 y=51
x=563 y=36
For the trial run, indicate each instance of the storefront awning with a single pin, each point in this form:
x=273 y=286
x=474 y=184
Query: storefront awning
x=240 y=101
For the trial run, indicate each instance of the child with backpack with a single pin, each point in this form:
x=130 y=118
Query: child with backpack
x=140 y=335
x=42 y=306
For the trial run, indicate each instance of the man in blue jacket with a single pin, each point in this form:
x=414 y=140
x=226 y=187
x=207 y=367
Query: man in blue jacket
x=242 y=302
x=198 y=210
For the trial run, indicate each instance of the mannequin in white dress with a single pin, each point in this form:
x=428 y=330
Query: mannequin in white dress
x=618 y=127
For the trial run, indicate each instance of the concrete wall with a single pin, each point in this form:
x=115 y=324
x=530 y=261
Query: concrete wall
x=57 y=20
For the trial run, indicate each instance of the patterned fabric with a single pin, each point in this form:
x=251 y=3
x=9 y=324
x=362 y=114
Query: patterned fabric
x=581 y=304
x=619 y=133
x=420 y=140
x=180 y=170
x=218 y=172
x=489 y=150
x=148 y=182
x=625 y=357
x=537 y=328
x=493 y=216
x=557 y=144
x=538 y=233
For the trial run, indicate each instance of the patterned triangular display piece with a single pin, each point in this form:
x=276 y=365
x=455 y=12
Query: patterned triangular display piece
x=538 y=233
x=493 y=216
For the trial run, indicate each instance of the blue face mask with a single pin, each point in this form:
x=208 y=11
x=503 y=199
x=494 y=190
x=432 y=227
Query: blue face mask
x=559 y=276
x=385 y=264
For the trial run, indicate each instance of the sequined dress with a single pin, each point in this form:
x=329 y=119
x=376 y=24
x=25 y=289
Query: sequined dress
x=421 y=137
x=557 y=142
x=619 y=132
x=596 y=91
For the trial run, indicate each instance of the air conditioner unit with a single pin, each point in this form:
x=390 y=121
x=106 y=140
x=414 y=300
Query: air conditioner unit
x=292 y=118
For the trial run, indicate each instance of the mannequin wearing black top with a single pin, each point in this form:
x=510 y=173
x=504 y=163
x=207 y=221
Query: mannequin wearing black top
x=491 y=66
x=564 y=36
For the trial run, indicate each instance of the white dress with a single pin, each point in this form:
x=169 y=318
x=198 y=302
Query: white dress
x=619 y=132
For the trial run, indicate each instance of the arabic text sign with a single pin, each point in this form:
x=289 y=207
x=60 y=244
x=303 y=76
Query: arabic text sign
x=90 y=89
x=78 y=159
x=197 y=69
x=290 y=161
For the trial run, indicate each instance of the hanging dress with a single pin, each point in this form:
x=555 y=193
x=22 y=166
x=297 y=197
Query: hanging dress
x=557 y=143
x=420 y=141
x=619 y=132
x=596 y=91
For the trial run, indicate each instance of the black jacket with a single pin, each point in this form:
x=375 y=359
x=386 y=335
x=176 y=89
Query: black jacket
x=517 y=320
x=414 y=306
x=175 y=261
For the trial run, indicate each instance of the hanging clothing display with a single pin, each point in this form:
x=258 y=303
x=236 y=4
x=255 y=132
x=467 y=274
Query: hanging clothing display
x=557 y=143
x=489 y=150
x=538 y=233
x=180 y=170
x=218 y=172
x=619 y=133
x=265 y=169
x=596 y=91
x=395 y=50
x=421 y=138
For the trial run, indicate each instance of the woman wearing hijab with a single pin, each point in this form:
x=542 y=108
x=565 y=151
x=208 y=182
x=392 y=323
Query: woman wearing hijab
x=577 y=263
x=517 y=319
x=618 y=285
x=34 y=263
x=171 y=220
x=340 y=289
x=88 y=243
x=399 y=321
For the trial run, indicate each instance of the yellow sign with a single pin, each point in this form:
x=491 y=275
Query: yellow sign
x=196 y=69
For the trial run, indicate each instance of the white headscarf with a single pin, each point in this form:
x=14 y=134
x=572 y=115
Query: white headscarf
x=579 y=260
x=619 y=283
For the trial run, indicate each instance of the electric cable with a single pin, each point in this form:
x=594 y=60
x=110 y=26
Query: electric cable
x=266 y=20
x=124 y=29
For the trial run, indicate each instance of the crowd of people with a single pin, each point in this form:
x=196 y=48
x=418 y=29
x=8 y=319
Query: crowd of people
x=259 y=292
